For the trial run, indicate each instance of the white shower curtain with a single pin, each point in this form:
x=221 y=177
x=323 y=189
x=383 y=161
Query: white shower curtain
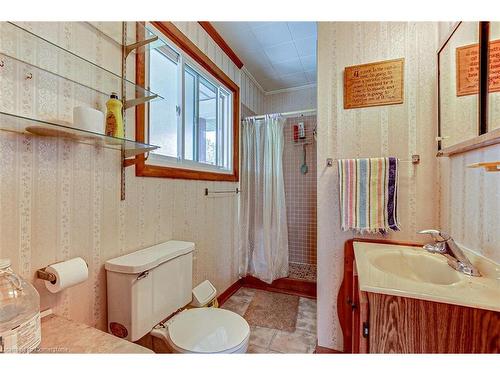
x=264 y=233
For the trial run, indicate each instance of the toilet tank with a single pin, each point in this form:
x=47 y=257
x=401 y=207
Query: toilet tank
x=146 y=286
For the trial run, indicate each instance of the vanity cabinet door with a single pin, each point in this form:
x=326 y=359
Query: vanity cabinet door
x=364 y=319
x=360 y=322
x=356 y=316
x=407 y=325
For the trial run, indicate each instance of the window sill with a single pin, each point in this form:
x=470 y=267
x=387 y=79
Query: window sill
x=147 y=170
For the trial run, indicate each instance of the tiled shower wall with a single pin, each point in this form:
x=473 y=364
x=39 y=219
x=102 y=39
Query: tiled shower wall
x=300 y=192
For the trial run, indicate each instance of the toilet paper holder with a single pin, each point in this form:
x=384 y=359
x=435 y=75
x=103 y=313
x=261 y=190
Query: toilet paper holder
x=48 y=276
x=44 y=275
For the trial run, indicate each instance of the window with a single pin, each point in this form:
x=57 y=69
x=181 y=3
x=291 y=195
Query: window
x=196 y=126
x=163 y=115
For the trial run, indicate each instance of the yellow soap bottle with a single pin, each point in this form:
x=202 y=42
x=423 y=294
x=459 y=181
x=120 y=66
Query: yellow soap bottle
x=114 y=119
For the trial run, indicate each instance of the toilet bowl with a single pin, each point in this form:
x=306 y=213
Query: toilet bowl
x=205 y=330
x=148 y=285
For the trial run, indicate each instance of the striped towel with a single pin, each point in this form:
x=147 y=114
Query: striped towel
x=369 y=194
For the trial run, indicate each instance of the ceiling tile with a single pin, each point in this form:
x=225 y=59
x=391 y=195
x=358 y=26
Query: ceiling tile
x=308 y=62
x=293 y=80
x=306 y=46
x=271 y=84
x=262 y=72
x=282 y=52
x=255 y=24
x=287 y=67
x=302 y=29
x=246 y=40
x=279 y=55
x=272 y=34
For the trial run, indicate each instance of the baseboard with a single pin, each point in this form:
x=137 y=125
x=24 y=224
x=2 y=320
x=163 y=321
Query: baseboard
x=323 y=350
x=295 y=287
x=225 y=295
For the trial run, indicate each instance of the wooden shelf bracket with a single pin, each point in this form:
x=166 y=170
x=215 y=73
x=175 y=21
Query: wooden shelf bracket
x=134 y=102
x=129 y=48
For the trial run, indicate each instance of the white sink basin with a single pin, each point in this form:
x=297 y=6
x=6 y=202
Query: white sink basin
x=424 y=267
x=410 y=271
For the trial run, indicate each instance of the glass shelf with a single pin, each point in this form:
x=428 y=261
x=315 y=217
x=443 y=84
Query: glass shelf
x=68 y=65
x=112 y=31
x=25 y=125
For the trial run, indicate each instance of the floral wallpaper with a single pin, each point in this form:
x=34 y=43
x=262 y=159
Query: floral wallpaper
x=396 y=130
x=60 y=199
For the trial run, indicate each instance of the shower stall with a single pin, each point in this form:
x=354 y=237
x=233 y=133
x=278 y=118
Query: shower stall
x=279 y=169
x=300 y=195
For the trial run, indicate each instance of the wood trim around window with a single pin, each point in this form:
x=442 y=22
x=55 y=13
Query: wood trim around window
x=217 y=38
x=187 y=46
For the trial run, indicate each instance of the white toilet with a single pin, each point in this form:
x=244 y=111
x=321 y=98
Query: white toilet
x=149 y=285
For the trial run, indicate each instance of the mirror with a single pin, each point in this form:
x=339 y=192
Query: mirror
x=494 y=78
x=458 y=63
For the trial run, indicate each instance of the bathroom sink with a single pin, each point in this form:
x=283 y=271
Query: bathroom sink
x=417 y=266
x=411 y=271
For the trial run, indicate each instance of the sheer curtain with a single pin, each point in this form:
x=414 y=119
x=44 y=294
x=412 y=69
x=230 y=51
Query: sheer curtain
x=264 y=233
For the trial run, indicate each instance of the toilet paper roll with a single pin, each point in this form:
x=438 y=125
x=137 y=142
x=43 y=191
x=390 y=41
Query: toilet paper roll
x=68 y=273
x=90 y=119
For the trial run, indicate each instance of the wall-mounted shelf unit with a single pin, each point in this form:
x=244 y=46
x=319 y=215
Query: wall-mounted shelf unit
x=81 y=78
x=25 y=125
x=489 y=166
x=72 y=67
x=138 y=35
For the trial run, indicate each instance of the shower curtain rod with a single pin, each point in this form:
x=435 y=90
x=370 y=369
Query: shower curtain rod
x=287 y=114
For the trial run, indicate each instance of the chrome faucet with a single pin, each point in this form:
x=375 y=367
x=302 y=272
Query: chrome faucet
x=446 y=246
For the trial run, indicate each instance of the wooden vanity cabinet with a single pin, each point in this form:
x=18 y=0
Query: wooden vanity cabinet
x=408 y=325
x=381 y=323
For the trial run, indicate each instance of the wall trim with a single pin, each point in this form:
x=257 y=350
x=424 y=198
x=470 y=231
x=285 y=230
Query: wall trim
x=219 y=40
x=225 y=295
x=324 y=350
x=294 y=287
x=290 y=89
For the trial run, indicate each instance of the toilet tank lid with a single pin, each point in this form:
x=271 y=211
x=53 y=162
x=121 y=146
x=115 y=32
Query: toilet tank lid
x=148 y=258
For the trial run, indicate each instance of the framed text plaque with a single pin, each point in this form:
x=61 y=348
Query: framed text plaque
x=467 y=62
x=374 y=84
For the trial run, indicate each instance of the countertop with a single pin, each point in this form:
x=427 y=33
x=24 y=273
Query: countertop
x=60 y=335
x=477 y=292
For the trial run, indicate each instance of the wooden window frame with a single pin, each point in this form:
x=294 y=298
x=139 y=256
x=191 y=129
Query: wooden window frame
x=219 y=40
x=187 y=46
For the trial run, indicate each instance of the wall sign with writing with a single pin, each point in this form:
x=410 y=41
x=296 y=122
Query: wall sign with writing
x=467 y=61
x=374 y=84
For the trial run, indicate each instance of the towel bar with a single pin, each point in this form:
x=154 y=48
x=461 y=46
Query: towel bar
x=236 y=191
x=415 y=159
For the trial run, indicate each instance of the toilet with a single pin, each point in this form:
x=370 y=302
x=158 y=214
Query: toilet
x=146 y=287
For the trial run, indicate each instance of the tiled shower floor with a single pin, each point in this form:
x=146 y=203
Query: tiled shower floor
x=302 y=271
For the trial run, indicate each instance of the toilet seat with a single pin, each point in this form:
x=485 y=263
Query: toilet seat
x=207 y=330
